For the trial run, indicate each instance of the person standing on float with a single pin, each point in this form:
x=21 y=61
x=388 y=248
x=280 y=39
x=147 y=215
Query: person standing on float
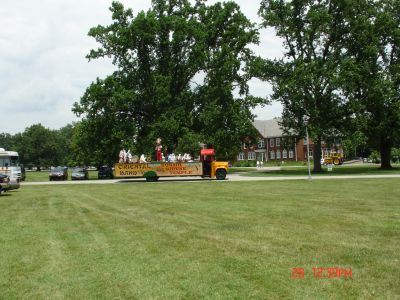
x=158 y=150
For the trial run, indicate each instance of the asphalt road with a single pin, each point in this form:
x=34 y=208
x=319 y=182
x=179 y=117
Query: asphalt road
x=230 y=177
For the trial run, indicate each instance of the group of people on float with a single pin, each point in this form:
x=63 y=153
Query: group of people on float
x=127 y=157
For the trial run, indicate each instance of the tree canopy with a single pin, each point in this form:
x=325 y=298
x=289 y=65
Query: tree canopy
x=181 y=71
x=306 y=79
x=340 y=72
x=371 y=72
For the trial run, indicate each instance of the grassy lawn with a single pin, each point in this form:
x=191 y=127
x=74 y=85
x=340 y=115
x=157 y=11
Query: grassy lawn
x=241 y=169
x=337 y=170
x=203 y=240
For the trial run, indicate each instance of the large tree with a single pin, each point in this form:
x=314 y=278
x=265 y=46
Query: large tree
x=306 y=79
x=159 y=55
x=371 y=72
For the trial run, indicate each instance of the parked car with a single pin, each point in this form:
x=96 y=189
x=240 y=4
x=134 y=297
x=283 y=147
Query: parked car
x=105 y=172
x=79 y=174
x=58 y=173
x=7 y=183
x=4 y=183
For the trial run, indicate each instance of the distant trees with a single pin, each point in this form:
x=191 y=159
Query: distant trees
x=6 y=141
x=41 y=147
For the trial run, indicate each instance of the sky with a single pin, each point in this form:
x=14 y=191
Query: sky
x=43 y=69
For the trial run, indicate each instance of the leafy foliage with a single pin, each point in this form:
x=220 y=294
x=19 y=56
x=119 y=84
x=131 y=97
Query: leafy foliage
x=158 y=55
x=340 y=70
x=306 y=79
x=371 y=72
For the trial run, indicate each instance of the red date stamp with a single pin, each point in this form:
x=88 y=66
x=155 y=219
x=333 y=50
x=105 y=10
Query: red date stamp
x=324 y=272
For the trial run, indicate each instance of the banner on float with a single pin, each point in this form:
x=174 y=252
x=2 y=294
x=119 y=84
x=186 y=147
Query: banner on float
x=161 y=168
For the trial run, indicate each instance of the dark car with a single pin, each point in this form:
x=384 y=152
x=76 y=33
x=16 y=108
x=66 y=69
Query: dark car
x=79 y=174
x=7 y=184
x=58 y=173
x=4 y=183
x=105 y=172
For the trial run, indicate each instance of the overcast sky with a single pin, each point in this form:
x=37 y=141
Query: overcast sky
x=43 y=69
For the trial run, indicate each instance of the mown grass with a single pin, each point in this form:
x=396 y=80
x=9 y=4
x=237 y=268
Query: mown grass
x=203 y=240
x=336 y=170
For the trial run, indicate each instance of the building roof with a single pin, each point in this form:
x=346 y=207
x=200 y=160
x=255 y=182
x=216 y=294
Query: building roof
x=269 y=128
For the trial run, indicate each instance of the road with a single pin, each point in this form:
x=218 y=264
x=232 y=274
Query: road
x=230 y=178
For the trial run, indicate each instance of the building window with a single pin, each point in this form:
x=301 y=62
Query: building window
x=272 y=155
x=278 y=142
x=251 y=156
x=271 y=143
x=261 y=143
x=290 y=153
x=305 y=141
x=284 y=154
x=310 y=153
x=278 y=154
x=241 y=156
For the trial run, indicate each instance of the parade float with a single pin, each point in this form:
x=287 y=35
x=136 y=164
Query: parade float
x=171 y=165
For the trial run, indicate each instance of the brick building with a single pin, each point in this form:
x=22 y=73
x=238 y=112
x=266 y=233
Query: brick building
x=273 y=146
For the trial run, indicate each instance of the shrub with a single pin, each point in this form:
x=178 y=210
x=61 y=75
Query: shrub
x=245 y=163
x=375 y=157
x=395 y=154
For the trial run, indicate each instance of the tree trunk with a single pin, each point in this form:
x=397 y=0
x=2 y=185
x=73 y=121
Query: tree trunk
x=317 y=156
x=385 y=148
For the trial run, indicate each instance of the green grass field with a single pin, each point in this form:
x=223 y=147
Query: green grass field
x=202 y=240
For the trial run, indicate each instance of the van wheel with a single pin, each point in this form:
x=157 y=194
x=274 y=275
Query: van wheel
x=220 y=174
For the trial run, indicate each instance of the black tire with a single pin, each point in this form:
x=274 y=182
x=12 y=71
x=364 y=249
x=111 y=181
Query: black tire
x=220 y=174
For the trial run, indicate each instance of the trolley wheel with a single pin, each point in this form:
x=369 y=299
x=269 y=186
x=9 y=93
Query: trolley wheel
x=220 y=174
x=152 y=179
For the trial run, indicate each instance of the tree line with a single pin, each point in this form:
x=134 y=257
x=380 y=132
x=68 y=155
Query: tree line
x=182 y=70
x=39 y=147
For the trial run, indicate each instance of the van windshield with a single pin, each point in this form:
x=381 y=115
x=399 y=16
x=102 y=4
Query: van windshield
x=9 y=161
